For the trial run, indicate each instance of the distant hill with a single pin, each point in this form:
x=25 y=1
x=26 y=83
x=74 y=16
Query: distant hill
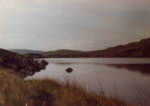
x=136 y=49
x=63 y=53
x=26 y=51
x=34 y=55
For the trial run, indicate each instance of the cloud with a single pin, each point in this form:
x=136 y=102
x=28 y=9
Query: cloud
x=72 y=24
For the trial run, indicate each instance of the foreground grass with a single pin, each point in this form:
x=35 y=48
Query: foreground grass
x=15 y=91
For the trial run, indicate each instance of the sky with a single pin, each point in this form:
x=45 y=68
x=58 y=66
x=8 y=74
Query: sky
x=72 y=24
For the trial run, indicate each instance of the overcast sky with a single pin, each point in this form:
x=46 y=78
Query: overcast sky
x=72 y=24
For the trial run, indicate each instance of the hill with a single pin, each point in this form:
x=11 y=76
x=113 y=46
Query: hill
x=63 y=53
x=25 y=51
x=34 y=55
x=135 y=49
x=140 y=49
x=20 y=64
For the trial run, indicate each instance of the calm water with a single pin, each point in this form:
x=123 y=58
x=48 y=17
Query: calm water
x=126 y=79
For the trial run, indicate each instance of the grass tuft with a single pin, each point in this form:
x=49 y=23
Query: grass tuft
x=15 y=91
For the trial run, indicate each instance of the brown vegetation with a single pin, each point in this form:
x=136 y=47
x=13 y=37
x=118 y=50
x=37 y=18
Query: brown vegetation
x=15 y=91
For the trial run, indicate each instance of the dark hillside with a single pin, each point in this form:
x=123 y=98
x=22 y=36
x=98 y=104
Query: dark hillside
x=19 y=63
x=135 y=49
x=64 y=53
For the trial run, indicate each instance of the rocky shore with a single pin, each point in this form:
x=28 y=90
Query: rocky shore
x=19 y=64
x=35 y=66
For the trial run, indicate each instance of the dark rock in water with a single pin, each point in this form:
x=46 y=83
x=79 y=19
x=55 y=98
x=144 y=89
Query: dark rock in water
x=69 y=70
x=44 y=63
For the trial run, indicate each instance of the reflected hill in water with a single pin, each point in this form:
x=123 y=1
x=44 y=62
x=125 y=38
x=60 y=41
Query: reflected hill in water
x=142 y=68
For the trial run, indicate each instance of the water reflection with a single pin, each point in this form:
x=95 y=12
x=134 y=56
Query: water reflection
x=142 y=68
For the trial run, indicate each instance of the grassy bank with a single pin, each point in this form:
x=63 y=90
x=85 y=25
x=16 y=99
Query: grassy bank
x=15 y=91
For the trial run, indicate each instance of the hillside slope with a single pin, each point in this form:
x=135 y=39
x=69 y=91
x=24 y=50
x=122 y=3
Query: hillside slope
x=25 y=51
x=135 y=49
x=19 y=63
x=63 y=53
x=132 y=50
